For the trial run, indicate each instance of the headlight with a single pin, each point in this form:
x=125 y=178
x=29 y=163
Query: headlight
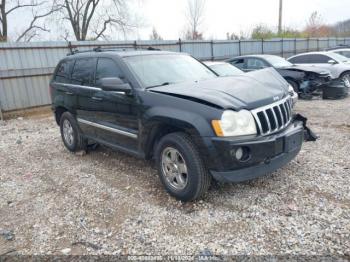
x=290 y=90
x=235 y=124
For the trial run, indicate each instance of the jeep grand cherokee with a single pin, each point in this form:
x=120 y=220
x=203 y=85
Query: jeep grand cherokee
x=172 y=108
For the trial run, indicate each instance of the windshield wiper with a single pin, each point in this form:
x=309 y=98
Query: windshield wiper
x=164 y=84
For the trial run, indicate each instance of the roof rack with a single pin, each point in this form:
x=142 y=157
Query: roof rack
x=124 y=48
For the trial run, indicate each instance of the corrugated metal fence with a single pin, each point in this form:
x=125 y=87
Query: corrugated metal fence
x=25 y=68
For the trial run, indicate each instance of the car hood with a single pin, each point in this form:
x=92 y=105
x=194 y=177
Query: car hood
x=300 y=68
x=248 y=91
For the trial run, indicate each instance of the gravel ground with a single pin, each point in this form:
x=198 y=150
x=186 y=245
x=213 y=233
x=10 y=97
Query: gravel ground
x=105 y=202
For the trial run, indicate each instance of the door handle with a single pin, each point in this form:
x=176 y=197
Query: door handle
x=69 y=93
x=96 y=98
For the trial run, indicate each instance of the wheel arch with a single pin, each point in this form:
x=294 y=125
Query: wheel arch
x=59 y=112
x=344 y=72
x=158 y=129
x=162 y=121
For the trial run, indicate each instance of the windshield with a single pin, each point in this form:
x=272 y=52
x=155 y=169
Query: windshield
x=226 y=69
x=277 y=61
x=337 y=57
x=156 y=70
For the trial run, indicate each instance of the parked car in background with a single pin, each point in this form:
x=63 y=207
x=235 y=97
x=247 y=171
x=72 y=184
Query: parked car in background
x=223 y=68
x=342 y=51
x=226 y=69
x=338 y=65
x=170 y=107
x=304 y=80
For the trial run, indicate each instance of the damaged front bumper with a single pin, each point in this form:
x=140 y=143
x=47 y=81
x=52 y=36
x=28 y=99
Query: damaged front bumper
x=263 y=154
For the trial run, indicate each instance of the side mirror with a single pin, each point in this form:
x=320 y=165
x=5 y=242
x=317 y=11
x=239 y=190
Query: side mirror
x=332 y=62
x=115 y=84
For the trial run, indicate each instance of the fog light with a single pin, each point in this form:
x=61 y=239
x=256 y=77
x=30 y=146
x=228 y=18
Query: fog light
x=242 y=154
x=239 y=153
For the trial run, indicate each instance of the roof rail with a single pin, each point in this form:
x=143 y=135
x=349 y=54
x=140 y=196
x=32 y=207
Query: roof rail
x=120 y=48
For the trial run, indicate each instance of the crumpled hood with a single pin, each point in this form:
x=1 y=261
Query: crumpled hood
x=247 y=91
x=301 y=68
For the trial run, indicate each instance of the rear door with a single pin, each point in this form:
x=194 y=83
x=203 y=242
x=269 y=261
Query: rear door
x=63 y=93
x=82 y=80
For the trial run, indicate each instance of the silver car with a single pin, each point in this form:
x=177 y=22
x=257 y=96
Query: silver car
x=338 y=65
x=226 y=69
x=223 y=68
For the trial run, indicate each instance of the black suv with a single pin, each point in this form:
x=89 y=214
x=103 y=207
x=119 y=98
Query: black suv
x=171 y=107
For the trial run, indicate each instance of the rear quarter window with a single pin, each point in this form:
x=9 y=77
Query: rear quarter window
x=63 y=71
x=83 y=71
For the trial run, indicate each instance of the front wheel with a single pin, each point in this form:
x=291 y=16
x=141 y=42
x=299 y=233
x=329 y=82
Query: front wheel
x=180 y=167
x=346 y=78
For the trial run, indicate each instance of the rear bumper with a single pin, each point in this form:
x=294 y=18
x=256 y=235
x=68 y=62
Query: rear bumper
x=266 y=154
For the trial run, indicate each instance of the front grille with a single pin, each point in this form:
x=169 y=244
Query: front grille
x=274 y=117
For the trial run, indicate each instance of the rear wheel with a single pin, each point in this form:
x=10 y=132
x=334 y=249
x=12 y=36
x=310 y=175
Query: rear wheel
x=70 y=133
x=180 y=167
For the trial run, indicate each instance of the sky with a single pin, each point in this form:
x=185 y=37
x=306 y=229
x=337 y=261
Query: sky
x=222 y=16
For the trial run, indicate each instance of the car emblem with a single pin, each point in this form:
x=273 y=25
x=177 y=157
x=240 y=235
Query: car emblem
x=275 y=98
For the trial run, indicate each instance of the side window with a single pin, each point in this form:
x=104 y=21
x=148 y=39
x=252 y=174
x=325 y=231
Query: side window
x=83 y=71
x=63 y=72
x=106 y=67
x=238 y=63
x=318 y=59
x=302 y=59
x=255 y=63
x=345 y=53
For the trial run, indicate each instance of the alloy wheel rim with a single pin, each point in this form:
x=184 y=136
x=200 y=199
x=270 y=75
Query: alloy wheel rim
x=346 y=79
x=174 y=168
x=68 y=132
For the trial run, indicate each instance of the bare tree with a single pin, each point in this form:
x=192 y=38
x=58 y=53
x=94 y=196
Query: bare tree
x=155 y=35
x=316 y=27
x=9 y=7
x=195 y=18
x=91 y=19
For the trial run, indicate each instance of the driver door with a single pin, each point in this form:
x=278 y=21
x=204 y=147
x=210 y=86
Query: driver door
x=115 y=112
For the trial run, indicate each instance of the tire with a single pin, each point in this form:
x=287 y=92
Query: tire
x=71 y=134
x=197 y=177
x=346 y=78
x=294 y=85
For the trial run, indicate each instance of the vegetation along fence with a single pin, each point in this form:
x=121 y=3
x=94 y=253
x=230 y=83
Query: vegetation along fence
x=25 y=68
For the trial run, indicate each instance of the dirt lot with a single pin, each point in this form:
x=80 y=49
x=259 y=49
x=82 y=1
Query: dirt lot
x=54 y=202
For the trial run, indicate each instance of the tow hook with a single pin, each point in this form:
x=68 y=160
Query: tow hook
x=308 y=134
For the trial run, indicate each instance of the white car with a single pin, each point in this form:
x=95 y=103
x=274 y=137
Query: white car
x=338 y=65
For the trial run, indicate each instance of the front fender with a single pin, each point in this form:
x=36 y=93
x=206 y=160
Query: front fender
x=190 y=121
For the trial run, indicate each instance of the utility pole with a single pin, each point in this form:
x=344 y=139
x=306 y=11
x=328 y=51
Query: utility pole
x=280 y=17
